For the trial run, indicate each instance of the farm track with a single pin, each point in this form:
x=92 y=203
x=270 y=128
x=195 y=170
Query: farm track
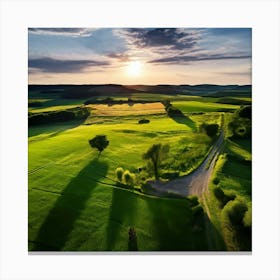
x=195 y=183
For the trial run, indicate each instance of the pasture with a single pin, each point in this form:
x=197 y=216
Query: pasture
x=74 y=202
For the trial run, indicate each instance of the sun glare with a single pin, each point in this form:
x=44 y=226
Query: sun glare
x=134 y=68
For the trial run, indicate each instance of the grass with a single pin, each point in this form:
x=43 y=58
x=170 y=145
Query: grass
x=198 y=106
x=233 y=175
x=73 y=204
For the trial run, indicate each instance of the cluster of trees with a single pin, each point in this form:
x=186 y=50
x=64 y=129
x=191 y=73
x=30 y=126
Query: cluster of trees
x=111 y=101
x=222 y=197
x=125 y=176
x=210 y=129
x=241 y=124
x=78 y=113
x=236 y=218
x=171 y=110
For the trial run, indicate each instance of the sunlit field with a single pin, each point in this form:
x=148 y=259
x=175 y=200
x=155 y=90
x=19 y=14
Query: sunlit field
x=76 y=203
x=139 y=139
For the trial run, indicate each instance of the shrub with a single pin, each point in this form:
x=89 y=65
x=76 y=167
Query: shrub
x=237 y=212
x=197 y=210
x=247 y=219
x=216 y=180
x=211 y=129
x=222 y=197
x=245 y=112
x=237 y=236
x=193 y=200
x=143 y=121
x=119 y=173
x=174 y=112
x=77 y=113
x=128 y=178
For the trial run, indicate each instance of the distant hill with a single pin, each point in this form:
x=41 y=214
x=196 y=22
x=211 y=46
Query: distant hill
x=87 y=91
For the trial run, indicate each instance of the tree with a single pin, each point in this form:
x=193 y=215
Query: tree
x=156 y=154
x=119 y=173
x=128 y=178
x=211 y=129
x=99 y=142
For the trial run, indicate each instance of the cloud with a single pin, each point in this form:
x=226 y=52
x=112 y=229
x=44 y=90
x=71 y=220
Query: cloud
x=52 y=65
x=122 y=57
x=72 y=32
x=235 y=73
x=161 y=38
x=184 y=59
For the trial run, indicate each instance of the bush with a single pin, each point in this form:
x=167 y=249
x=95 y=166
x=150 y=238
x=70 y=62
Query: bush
x=77 y=113
x=119 y=173
x=237 y=212
x=197 y=210
x=245 y=112
x=143 y=121
x=247 y=219
x=193 y=200
x=174 y=112
x=222 y=197
x=237 y=235
x=210 y=129
x=128 y=178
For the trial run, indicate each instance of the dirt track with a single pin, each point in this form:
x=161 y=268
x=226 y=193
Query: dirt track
x=196 y=182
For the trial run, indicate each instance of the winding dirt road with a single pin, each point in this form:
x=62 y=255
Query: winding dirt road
x=196 y=182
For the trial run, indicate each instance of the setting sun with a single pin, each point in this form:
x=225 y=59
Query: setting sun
x=134 y=68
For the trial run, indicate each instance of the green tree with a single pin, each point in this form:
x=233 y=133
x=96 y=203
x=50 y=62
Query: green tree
x=119 y=173
x=99 y=142
x=128 y=178
x=155 y=155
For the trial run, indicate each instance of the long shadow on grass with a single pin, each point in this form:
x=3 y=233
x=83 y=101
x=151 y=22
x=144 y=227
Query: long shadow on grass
x=121 y=216
x=183 y=119
x=60 y=221
x=53 y=129
x=179 y=227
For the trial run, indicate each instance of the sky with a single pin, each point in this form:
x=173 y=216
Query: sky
x=139 y=56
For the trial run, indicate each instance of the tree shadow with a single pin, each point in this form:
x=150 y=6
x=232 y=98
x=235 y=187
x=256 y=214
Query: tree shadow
x=53 y=129
x=55 y=229
x=183 y=119
x=122 y=212
x=192 y=232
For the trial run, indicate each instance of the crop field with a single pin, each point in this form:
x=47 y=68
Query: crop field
x=125 y=109
x=76 y=203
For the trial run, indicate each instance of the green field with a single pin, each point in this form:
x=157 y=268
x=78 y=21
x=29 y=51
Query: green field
x=75 y=203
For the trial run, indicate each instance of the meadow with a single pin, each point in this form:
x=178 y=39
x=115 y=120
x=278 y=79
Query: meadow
x=75 y=202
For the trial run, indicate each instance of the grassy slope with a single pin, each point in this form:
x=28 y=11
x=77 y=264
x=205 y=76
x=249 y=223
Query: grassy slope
x=72 y=205
x=233 y=175
x=200 y=106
